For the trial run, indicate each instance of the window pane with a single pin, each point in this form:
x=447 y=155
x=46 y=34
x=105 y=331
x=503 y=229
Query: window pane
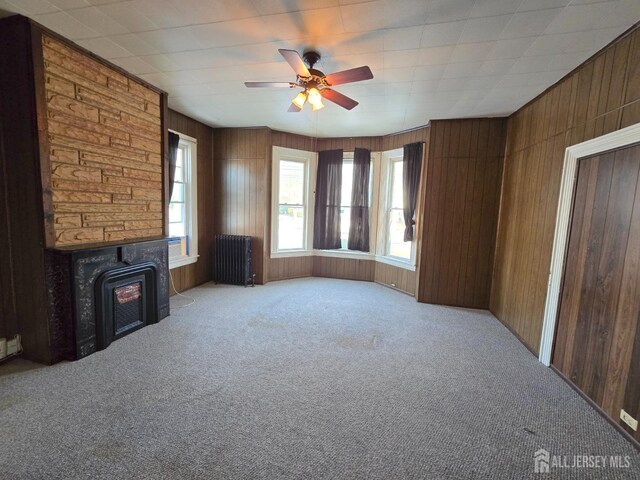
x=179 y=175
x=181 y=156
x=345 y=221
x=177 y=206
x=177 y=230
x=291 y=183
x=396 y=187
x=176 y=212
x=178 y=192
x=290 y=228
x=345 y=201
x=347 y=183
x=397 y=246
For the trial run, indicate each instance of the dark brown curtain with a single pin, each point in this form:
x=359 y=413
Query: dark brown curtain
x=174 y=139
x=326 y=224
x=359 y=226
x=411 y=166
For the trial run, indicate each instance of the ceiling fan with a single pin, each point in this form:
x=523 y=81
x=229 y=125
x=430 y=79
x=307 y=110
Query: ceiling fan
x=315 y=84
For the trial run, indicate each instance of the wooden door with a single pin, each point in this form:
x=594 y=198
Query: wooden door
x=597 y=342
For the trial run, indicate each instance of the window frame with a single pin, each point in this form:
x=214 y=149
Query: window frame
x=389 y=157
x=309 y=160
x=185 y=185
x=190 y=181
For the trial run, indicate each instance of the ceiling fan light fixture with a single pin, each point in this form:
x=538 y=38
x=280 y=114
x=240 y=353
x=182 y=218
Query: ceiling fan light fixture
x=318 y=105
x=300 y=99
x=314 y=97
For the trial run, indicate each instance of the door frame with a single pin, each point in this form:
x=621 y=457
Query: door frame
x=572 y=155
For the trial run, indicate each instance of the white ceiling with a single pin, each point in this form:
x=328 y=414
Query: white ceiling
x=430 y=58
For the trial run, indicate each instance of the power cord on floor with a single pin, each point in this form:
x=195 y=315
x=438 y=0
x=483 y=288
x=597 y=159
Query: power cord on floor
x=193 y=300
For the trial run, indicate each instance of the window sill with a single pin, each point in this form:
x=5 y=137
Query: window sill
x=292 y=253
x=324 y=253
x=182 y=261
x=344 y=254
x=394 y=262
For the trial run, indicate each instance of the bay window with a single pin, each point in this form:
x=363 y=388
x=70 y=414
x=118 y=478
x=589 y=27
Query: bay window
x=293 y=192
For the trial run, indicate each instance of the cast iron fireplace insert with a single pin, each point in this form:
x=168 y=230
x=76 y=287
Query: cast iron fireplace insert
x=125 y=301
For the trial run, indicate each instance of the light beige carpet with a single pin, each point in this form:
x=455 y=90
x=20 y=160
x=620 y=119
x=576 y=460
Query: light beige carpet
x=303 y=379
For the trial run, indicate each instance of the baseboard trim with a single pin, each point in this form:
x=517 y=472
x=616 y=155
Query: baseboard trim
x=598 y=409
x=394 y=288
x=293 y=277
x=515 y=334
x=354 y=279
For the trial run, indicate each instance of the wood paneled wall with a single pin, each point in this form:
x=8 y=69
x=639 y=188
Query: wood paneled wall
x=346 y=268
x=395 y=277
x=462 y=195
x=292 y=140
x=601 y=96
x=105 y=181
x=349 y=144
x=200 y=272
x=8 y=317
x=24 y=311
x=292 y=267
x=296 y=267
x=242 y=166
x=398 y=140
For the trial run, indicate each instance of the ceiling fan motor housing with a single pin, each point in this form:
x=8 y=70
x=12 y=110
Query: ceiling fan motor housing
x=311 y=57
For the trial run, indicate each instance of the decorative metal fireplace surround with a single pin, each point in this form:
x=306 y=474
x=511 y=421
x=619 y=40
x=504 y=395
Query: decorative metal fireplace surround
x=101 y=293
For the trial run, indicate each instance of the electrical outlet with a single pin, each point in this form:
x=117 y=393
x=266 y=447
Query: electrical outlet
x=12 y=346
x=3 y=347
x=629 y=420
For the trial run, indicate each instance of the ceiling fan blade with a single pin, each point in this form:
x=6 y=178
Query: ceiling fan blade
x=348 y=76
x=270 y=84
x=294 y=108
x=294 y=59
x=338 y=98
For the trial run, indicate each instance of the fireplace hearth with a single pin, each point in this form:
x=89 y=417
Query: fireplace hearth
x=102 y=293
